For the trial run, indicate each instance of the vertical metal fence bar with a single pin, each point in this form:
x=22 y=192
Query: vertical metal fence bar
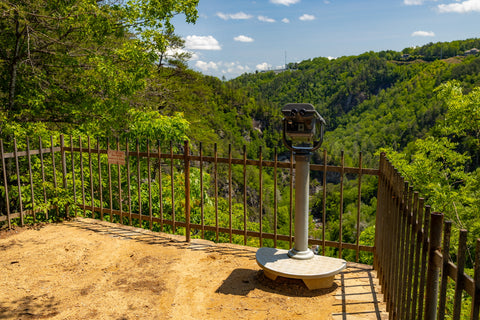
x=244 y=194
x=202 y=211
x=42 y=169
x=119 y=177
x=275 y=204
x=444 y=278
x=460 y=282
x=110 y=192
x=215 y=177
x=139 y=184
x=63 y=159
x=411 y=253
x=30 y=174
x=260 y=178
x=74 y=186
x=187 y=191
x=324 y=199
x=100 y=187
x=127 y=155
x=54 y=171
x=5 y=184
x=474 y=315
x=382 y=194
x=172 y=190
x=407 y=214
x=160 y=184
x=19 y=184
x=359 y=204
x=379 y=218
x=380 y=223
x=431 y=292
x=340 y=228
x=290 y=237
x=91 y=176
x=424 y=257
x=392 y=246
x=418 y=239
x=82 y=176
x=230 y=191
x=401 y=249
x=149 y=176
x=396 y=228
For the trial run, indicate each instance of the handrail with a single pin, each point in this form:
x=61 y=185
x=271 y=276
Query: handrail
x=409 y=254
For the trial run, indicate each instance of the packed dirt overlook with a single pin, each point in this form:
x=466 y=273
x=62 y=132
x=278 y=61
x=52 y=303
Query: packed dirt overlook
x=87 y=269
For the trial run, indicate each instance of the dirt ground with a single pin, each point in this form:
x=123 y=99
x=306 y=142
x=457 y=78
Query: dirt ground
x=88 y=269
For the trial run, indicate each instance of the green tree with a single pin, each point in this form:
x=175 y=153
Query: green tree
x=76 y=61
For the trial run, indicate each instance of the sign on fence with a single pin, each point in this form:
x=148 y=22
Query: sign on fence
x=116 y=157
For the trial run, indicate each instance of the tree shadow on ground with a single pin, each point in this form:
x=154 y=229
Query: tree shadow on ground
x=159 y=238
x=30 y=307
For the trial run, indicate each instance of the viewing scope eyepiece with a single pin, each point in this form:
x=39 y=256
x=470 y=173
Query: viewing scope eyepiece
x=299 y=127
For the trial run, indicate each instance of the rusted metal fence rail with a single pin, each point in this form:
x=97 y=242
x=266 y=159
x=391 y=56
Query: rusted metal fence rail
x=167 y=189
x=413 y=266
x=231 y=199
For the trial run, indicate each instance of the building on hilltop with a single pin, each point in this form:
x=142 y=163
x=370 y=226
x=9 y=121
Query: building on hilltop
x=472 y=51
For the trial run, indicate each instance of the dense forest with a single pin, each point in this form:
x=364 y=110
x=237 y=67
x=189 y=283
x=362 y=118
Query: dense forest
x=107 y=69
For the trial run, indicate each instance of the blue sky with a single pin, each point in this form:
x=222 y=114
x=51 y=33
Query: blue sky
x=232 y=37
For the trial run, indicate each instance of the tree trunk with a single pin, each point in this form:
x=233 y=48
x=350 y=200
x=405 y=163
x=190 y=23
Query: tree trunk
x=14 y=65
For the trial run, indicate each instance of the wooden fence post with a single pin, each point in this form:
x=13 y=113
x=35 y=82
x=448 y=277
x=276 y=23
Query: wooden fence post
x=433 y=271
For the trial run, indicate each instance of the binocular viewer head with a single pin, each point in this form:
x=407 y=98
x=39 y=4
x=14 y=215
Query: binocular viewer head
x=299 y=125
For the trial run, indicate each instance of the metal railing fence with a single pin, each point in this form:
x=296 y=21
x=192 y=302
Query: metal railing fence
x=244 y=201
x=169 y=189
x=412 y=264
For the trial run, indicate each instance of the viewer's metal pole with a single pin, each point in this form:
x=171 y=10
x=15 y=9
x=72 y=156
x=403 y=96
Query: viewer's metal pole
x=302 y=177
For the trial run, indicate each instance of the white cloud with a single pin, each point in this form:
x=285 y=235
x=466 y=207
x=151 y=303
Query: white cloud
x=307 y=17
x=202 y=43
x=265 y=19
x=172 y=52
x=242 y=38
x=285 y=20
x=263 y=66
x=234 y=16
x=462 y=7
x=195 y=56
x=220 y=67
x=284 y=2
x=234 y=67
x=413 y=2
x=206 y=66
x=423 y=34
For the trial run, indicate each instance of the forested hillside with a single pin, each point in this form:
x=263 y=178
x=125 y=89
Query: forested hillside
x=421 y=106
x=107 y=69
x=369 y=101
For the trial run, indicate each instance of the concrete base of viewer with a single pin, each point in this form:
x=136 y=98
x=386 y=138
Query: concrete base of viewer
x=317 y=272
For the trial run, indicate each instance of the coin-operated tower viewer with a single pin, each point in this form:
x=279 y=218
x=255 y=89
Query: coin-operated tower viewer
x=303 y=129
